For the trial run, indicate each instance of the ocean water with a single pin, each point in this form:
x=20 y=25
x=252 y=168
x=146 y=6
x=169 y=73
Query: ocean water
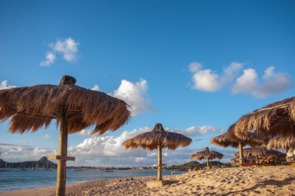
x=17 y=179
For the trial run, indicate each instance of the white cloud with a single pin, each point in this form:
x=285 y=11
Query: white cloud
x=4 y=85
x=199 y=130
x=95 y=88
x=50 y=57
x=45 y=137
x=67 y=48
x=208 y=80
x=108 y=150
x=134 y=95
x=272 y=83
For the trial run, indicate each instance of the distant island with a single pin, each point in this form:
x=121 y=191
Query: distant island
x=44 y=163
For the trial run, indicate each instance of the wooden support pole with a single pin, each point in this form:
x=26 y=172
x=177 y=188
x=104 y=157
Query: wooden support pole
x=159 y=162
x=62 y=151
x=208 y=166
x=241 y=161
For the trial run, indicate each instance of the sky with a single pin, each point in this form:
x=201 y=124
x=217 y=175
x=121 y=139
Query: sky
x=194 y=66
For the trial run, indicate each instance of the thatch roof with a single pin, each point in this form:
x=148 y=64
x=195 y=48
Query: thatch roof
x=206 y=154
x=229 y=139
x=271 y=120
x=31 y=108
x=256 y=152
x=284 y=142
x=158 y=136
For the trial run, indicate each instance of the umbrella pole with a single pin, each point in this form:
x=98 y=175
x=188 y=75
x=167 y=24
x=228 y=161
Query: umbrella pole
x=159 y=162
x=62 y=151
x=241 y=153
x=207 y=160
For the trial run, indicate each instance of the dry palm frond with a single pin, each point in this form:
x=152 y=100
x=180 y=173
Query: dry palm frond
x=229 y=139
x=271 y=120
x=158 y=136
x=206 y=154
x=284 y=142
x=30 y=108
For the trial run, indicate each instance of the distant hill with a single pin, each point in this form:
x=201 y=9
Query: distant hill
x=42 y=163
x=191 y=163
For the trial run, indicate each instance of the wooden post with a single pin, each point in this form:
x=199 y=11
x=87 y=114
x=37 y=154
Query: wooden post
x=62 y=151
x=241 y=153
x=207 y=160
x=159 y=162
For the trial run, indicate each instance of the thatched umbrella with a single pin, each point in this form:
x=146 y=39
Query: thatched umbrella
x=158 y=138
x=74 y=108
x=261 y=153
x=272 y=120
x=206 y=154
x=229 y=139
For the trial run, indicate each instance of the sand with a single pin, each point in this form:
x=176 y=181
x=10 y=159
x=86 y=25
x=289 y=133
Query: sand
x=247 y=181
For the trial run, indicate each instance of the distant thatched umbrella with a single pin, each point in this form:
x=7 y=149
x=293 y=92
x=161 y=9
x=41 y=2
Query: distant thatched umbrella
x=158 y=138
x=229 y=139
x=261 y=153
x=206 y=154
x=74 y=108
x=284 y=142
x=274 y=119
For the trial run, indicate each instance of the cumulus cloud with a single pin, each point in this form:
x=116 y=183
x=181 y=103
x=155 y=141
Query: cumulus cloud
x=4 y=85
x=198 y=130
x=50 y=57
x=135 y=95
x=16 y=153
x=108 y=150
x=67 y=48
x=208 y=80
x=272 y=83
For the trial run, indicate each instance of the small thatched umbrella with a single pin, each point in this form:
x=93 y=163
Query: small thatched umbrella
x=229 y=139
x=206 y=154
x=274 y=119
x=158 y=138
x=74 y=108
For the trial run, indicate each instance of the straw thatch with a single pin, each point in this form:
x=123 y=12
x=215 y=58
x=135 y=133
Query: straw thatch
x=271 y=120
x=75 y=108
x=229 y=139
x=158 y=136
x=284 y=142
x=31 y=108
x=256 y=152
x=206 y=154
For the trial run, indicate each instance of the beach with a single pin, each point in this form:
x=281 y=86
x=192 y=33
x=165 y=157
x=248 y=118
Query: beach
x=254 y=180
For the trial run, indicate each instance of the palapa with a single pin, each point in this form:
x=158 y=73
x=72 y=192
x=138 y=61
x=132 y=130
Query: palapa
x=229 y=139
x=206 y=154
x=272 y=120
x=75 y=108
x=158 y=138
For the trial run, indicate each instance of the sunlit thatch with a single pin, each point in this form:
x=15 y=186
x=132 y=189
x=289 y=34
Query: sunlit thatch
x=283 y=142
x=229 y=139
x=158 y=136
x=206 y=154
x=271 y=120
x=75 y=108
x=31 y=108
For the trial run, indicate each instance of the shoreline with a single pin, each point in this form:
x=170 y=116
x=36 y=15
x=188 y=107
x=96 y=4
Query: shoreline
x=253 y=180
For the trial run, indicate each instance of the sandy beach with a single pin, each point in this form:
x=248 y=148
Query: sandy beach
x=254 y=180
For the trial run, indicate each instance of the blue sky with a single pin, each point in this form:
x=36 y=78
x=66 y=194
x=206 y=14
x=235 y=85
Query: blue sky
x=194 y=66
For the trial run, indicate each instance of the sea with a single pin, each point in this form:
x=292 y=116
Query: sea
x=18 y=179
